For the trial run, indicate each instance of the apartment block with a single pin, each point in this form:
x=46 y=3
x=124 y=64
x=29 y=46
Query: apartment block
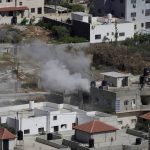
x=137 y=11
x=13 y=11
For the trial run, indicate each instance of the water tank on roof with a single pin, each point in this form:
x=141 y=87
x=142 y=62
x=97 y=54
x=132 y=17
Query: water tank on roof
x=104 y=83
x=93 y=84
x=20 y=135
x=142 y=80
x=91 y=143
x=146 y=72
x=109 y=16
x=49 y=136
x=31 y=105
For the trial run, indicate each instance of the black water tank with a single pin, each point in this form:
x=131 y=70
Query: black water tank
x=104 y=83
x=138 y=141
x=146 y=72
x=93 y=84
x=14 y=20
x=142 y=80
x=49 y=136
x=85 y=97
x=20 y=135
x=91 y=143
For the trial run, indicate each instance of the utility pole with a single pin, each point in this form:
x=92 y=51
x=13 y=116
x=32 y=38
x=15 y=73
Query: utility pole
x=149 y=139
x=56 y=6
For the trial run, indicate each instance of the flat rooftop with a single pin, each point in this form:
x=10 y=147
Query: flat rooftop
x=115 y=74
x=81 y=13
x=58 y=8
x=104 y=20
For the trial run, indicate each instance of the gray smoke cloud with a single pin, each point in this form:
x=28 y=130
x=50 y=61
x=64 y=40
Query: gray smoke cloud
x=61 y=70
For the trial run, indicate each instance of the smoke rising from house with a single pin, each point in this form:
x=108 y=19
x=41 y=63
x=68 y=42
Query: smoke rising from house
x=61 y=70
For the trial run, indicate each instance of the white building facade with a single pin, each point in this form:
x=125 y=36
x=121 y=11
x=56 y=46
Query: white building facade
x=103 y=29
x=20 y=9
x=48 y=117
x=136 y=11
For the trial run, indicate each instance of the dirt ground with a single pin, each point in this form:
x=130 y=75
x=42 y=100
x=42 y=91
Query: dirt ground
x=30 y=32
x=36 y=32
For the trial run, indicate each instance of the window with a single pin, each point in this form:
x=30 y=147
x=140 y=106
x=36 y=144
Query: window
x=147 y=1
x=64 y=126
x=147 y=25
x=41 y=130
x=32 y=10
x=54 y=117
x=8 y=1
x=27 y=131
x=134 y=5
x=107 y=34
x=56 y=128
x=98 y=36
x=133 y=14
x=20 y=3
x=112 y=33
x=126 y=102
x=147 y=12
x=73 y=125
x=133 y=101
x=133 y=120
x=122 y=34
x=120 y=122
x=134 y=27
x=39 y=10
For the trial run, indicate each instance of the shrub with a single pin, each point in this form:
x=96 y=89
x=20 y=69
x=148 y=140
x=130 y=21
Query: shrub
x=73 y=7
x=60 y=32
x=41 y=23
x=75 y=39
x=77 y=7
x=24 y=21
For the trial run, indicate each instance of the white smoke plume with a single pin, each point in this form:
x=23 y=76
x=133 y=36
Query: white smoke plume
x=60 y=70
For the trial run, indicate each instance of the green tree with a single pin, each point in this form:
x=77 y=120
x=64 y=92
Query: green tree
x=60 y=32
x=24 y=21
x=77 y=7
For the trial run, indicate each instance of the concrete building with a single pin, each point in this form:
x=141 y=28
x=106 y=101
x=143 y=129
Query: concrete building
x=13 y=11
x=131 y=10
x=7 y=139
x=101 y=29
x=37 y=118
x=116 y=79
x=121 y=94
x=96 y=130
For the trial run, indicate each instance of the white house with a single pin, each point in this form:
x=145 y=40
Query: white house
x=102 y=29
x=36 y=118
x=13 y=11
